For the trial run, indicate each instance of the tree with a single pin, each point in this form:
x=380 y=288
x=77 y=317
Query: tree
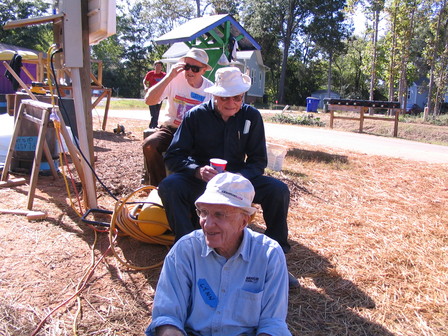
x=375 y=9
x=260 y=20
x=135 y=35
x=125 y=53
x=392 y=48
x=407 y=28
x=372 y=10
x=402 y=17
x=282 y=21
x=38 y=37
x=327 y=30
x=303 y=78
x=164 y=15
x=433 y=47
x=350 y=79
x=225 y=7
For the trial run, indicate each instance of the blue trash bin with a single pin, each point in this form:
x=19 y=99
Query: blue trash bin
x=312 y=104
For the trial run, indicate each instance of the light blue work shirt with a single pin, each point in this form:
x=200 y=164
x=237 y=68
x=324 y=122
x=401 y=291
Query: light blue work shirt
x=203 y=293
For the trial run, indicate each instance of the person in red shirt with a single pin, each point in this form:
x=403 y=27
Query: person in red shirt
x=152 y=78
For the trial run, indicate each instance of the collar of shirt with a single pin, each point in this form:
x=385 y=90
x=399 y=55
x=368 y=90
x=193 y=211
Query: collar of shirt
x=243 y=249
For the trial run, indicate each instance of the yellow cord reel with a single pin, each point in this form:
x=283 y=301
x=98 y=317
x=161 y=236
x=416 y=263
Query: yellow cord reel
x=145 y=221
x=151 y=216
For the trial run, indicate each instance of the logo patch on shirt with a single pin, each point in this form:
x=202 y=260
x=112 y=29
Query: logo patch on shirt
x=207 y=293
x=252 y=279
x=184 y=105
x=197 y=96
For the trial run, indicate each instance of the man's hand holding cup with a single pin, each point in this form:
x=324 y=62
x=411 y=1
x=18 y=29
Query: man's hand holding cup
x=218 y=164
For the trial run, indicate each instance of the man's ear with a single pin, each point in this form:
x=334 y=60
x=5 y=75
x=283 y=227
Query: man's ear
x=246 y=220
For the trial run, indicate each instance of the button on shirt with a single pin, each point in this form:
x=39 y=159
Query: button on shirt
x=202 y=293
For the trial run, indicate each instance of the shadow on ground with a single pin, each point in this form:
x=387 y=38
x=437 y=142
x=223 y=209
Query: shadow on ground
x=319 y=156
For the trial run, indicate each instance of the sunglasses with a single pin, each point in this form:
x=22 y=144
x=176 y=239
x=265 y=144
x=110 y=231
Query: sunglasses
x=193 y=68
x=237 y=99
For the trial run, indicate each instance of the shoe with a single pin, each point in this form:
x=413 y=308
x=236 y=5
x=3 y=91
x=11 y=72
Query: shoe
x=293 y=282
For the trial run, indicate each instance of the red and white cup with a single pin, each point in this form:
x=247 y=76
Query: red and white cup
x=218 y=164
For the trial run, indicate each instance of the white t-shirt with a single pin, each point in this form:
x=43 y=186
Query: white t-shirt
x=181 y=97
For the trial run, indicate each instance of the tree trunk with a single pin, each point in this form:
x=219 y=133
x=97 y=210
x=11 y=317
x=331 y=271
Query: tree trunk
x=286 y=44
x=373 y=69
x=330 y=63
x=405 y=97
x=198 y=8
x=392 y=55
x=429 y=104
x=403 y=85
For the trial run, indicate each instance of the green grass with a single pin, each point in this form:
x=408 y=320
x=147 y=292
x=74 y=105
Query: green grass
x=125 y=104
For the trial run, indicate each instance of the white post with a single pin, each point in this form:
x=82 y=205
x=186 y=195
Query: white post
x=83 y=138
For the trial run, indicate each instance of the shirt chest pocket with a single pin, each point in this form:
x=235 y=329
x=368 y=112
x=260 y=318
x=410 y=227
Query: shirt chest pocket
x=247 y=308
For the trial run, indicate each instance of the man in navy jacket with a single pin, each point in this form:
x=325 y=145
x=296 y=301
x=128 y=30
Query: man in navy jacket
x=228 y=129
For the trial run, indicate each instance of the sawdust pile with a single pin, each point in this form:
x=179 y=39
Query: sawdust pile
x=369 y=238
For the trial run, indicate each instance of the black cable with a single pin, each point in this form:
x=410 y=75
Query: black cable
x=71 y=128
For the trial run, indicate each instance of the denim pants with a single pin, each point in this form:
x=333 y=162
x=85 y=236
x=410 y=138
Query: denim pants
x=155 y=111
x=179 y=191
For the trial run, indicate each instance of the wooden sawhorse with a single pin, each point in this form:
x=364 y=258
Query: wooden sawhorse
x=39 y=114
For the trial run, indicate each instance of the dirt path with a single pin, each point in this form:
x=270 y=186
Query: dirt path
x=362 y=143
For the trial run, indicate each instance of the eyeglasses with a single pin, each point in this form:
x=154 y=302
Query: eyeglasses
x=237 y=99
x=193 y=68
x=218 y=215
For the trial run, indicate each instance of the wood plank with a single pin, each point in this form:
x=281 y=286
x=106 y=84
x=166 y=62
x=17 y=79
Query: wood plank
x=22 y=84
x=38 y=156
x=32 y=21
x=347 y=118
x=344 y=108
x=106 y=109
x=12 y=182
x=12 y=143
x=380 y=118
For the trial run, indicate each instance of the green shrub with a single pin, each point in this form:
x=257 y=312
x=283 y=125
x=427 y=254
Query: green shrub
x=305 y=119
x=441 y=120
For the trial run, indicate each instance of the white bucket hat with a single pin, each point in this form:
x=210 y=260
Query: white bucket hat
x=229 y=82
x=229 y=189
x=199 y=55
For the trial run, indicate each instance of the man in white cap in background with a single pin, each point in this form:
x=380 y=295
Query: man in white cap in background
x=182 y=93
x=224 y=279
x=228 y=129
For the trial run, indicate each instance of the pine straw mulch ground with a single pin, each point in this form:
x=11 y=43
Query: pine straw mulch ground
x=369 y=237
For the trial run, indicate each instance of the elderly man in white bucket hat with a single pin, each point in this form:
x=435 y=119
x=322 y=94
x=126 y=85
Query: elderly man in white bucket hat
x=182 y=93
x=224 y=279
x=228 y=129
